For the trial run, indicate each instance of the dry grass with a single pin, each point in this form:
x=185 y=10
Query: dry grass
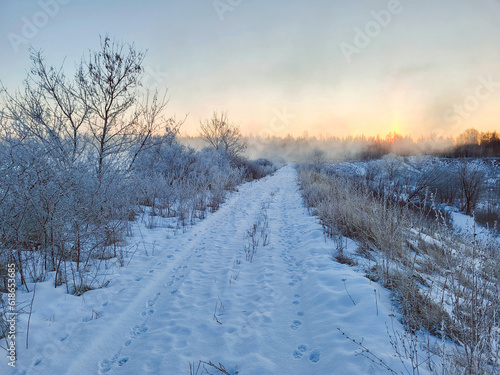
x=418 y=259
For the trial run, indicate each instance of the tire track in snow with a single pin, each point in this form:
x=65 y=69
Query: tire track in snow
x=190 y=254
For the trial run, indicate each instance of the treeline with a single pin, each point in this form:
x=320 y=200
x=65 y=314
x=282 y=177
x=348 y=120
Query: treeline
x=470 y=143
x=81 y=157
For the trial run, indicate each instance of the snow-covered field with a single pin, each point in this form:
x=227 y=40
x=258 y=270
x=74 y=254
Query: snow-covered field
x=194 y=297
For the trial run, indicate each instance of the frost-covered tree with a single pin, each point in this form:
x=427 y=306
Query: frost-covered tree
x=220 y=134
x=69 y=146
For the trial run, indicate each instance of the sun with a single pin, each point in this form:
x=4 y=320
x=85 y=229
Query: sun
x=395 y=129
x=396 y=125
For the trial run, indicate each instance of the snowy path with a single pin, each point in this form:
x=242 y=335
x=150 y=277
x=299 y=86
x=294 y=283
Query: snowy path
x=276 y=315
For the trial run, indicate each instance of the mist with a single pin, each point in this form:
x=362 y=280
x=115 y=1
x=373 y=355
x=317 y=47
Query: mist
x=470 y=143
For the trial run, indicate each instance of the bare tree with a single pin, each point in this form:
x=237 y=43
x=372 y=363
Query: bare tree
x=471 y=177
x=107 y=86
x=222 y=135
x=150 y=120
x=392 y=165
x=317 y=156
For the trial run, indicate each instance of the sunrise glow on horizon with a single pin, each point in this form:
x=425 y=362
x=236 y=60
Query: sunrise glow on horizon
x=329 y=69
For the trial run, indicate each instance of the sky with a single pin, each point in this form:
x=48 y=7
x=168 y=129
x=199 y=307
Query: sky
x=327 y=67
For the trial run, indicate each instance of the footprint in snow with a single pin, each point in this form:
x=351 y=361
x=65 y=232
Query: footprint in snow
x=152 y=302
x=314 y=356
x=299 y=352
x=295 y=302
x=296 y=324
x=300 y=313
x=138 y=330
x=138 y=278
x=148 y=312
x=105 y=366
x=122 y=361
x=37 y=362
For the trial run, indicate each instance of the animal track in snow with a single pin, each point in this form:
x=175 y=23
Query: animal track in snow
x=148 y=312
x=138 y=330
x=299 y=352
x=106 y=365
x=314 y=356
x=122 y=361
x=296 y=324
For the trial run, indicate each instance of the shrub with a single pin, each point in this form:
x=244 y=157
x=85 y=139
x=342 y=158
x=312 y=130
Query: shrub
x=418 y=263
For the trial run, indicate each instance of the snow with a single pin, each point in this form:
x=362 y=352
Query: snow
x=467 y=226
x=194 y=297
